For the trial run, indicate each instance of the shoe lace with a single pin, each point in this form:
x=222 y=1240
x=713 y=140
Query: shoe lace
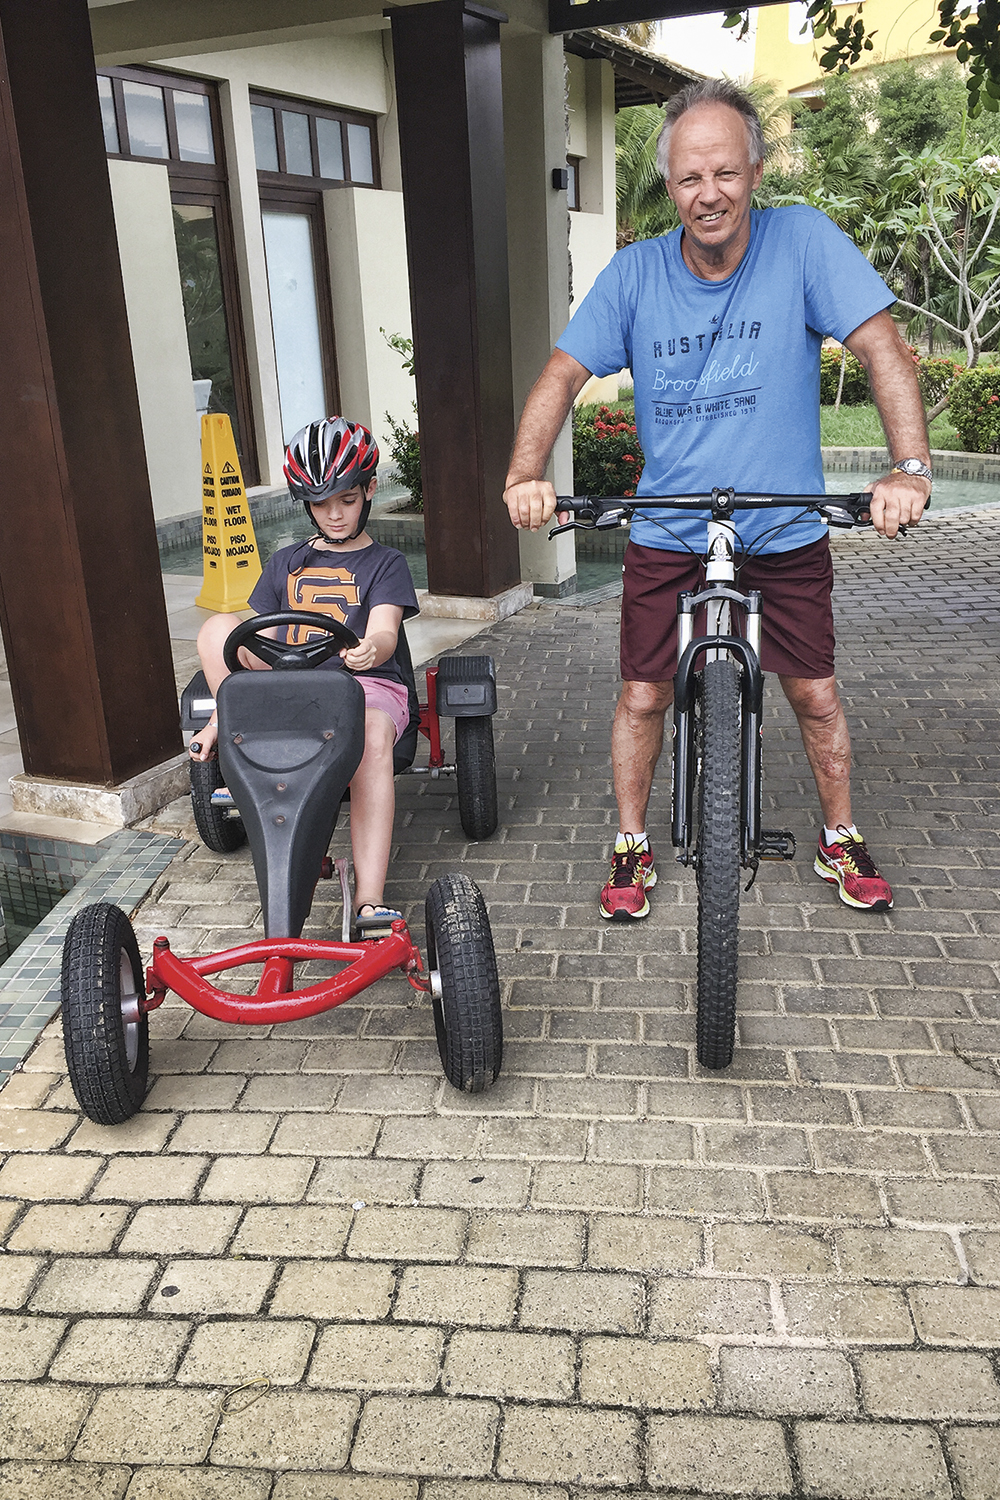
x=856 y=855
x=625 y=866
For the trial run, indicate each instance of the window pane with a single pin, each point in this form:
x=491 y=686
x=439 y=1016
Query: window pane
x=298 y=153
x=359 y=143
x=331 y=149
x=204 y=310
x=265 y=143
x=291 y=280
x=108 y=114
x=194 y=126
x=573 y=188
x=147 y=120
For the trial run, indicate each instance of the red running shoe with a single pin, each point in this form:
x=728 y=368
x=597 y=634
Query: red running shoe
x=623 y=899
x=847 y=864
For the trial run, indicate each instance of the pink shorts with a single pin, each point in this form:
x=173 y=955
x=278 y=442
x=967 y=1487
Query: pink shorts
x=391 y=697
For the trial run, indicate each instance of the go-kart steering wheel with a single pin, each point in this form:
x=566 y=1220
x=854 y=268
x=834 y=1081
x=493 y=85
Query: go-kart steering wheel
x=278 y=654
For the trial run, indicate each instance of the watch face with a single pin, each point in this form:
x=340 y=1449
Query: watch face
x=913 y=466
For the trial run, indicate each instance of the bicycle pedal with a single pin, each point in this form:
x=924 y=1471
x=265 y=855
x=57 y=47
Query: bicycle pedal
x=776 y=843
x=222 y=797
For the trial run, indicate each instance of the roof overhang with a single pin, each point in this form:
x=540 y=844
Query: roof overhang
x=641 y=77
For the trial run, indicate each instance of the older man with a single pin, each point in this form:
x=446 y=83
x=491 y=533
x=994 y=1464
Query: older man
x=721 y=323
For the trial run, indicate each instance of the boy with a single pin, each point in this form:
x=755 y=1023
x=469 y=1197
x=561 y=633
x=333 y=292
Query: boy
x=331 y=466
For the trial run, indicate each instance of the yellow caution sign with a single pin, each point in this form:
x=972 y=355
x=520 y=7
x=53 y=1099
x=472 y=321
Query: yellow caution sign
x=229 y=547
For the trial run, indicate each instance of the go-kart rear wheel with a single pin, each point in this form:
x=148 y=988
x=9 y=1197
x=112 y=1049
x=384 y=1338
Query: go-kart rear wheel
x=465 y=986
x=105 y=1031
x=222 y=834
x=476 y=772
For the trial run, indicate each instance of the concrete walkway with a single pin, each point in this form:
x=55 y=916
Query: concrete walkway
x=614 y=1273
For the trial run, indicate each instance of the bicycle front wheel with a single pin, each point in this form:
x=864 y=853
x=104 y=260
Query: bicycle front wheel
x=718 y=862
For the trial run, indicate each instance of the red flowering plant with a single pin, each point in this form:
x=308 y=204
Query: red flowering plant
x=607 y=458
x=974 y=407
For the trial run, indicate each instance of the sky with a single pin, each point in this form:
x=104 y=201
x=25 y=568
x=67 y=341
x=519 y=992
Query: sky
x=701 y=43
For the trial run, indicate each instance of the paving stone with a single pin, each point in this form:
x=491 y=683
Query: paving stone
x=120 y=1351
x=829 y=1196
x=227 y=1353
x=127 y=1427
x=725 y=1455
x=958 y=1203
x=771 y=1250
x=27 y=1345
x=512 y=1366
x=196 y=1091
x=967 y=1315
x=280 y=1093
x=203 y=1131
x=32 y=1129
x=41 y=1422
x=847 y=1314
x=476 y=1184
x=569 y=1444
x=212 y=1286
x=928 y=1384
x=270 y=1180
x=582 y=1301
x=668 y=1376
x=695 y=1191
x=342 y=1487
x=469 y=1296
x=897 y=1255
x=142 y=1132
x=137 y=1179
x=26 y=1090
x=365 y=1179
x=199 y=1484
x=787 y=1382
x=643 y=1244
x=490 y=1489
x=685 y=1307
x=583 y=1186
x=18 y=1273
x=51 y=1481
x=45 y=1178
x=861 y=1460
x=82 y=1285
x=183 y=1229
x=340 y=1290
x=526 y=1239
x=380 y=1357
x=407 y=1234
x=975 y=1454
x=285 y=1232
x=425 y=1435
x=312 y=1431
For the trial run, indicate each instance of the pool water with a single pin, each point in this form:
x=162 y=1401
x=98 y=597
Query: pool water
x=949 y=494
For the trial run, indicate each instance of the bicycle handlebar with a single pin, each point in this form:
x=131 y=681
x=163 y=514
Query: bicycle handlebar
x=606 y=513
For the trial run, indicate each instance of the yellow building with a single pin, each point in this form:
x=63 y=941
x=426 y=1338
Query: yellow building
x=790 y=56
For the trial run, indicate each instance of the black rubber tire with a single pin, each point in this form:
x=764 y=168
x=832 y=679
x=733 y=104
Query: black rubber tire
x=718 y=866
x=218 y=832
x=476 y=772
x=460 y=957
x=107 y=1056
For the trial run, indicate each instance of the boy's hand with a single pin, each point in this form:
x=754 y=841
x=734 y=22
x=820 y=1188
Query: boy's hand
x=360 y=658
x=202 y=747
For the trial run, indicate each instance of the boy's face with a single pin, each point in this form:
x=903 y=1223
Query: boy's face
x=338 y=517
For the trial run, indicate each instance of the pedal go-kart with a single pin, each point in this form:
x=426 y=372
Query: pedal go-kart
x=290 y=741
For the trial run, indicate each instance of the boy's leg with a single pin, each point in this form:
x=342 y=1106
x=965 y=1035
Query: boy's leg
x=373 y=806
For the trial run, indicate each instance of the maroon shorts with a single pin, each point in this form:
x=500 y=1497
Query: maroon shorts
x=797 y=638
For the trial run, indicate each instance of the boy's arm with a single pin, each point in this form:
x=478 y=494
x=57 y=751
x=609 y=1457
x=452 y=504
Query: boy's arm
x=379 y=640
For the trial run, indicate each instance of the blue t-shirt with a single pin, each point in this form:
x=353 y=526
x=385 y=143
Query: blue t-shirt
x=727 y=372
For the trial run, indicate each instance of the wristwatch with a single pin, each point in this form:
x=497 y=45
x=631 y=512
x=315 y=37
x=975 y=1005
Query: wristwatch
x=912 y=466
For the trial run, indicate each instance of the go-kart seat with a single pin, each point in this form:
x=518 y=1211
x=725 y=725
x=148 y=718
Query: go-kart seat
x=406 y=746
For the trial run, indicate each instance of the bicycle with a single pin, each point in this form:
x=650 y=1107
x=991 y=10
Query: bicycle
x=718 y=727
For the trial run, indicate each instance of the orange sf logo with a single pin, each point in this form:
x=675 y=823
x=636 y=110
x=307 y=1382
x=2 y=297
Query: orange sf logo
x=325 y=591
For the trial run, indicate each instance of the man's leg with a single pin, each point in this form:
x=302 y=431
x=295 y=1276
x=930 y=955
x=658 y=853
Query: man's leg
x=636 y=742
x=845 y=860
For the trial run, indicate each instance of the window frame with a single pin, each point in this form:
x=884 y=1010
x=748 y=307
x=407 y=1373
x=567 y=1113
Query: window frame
x=573 y=185
x=285 y=180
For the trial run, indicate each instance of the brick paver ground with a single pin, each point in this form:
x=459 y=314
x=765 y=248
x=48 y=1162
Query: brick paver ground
x=615 y=1273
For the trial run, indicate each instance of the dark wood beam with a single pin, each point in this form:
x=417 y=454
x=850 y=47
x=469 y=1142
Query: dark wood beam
x=447 y=65
x=564 y=15
x=81 y=607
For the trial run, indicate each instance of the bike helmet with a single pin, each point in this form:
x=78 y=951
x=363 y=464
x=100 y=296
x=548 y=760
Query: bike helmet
x=326 y=458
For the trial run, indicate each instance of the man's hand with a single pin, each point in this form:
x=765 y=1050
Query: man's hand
x=897 y=500
x=530 y=503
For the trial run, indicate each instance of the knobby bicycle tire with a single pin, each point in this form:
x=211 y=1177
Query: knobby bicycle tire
x=718 y=863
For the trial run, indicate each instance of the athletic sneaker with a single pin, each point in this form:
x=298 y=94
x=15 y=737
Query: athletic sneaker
x=623 y=899
x=847 y=864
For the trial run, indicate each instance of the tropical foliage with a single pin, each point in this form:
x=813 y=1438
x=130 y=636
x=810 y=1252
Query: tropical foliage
x=974 y=408
x=607 y=459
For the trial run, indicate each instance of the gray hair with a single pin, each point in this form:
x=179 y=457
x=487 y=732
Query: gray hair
x=711 y=91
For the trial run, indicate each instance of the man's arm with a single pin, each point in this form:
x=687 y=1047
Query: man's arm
x=529 y=497
x=897 y=499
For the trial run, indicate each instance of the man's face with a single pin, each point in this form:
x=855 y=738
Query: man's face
x=711 y=180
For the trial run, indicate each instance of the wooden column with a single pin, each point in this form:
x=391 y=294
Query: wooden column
x=447 y=64
x=81 y=608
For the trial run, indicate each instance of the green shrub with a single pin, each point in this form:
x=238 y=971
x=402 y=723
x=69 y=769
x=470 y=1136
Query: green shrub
x=855 y=392
x=974 y=407
x=607 y=459
x=935 y=375
x=405 y=450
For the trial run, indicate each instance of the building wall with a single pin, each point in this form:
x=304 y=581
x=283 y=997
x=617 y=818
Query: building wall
x=592 y=241
x=899 y=28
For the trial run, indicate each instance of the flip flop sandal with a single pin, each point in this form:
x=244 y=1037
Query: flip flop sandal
x=377 y=922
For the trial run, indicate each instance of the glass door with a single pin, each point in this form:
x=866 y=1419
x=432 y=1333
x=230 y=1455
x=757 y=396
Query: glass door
x=299 y=316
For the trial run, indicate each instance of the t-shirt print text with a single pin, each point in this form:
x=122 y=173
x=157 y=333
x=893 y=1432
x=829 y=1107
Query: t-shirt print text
x=685 y=343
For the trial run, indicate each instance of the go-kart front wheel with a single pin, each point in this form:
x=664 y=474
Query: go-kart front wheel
x=465 y=986
x=220 y=833
x=476 y=773
x=105 y=1031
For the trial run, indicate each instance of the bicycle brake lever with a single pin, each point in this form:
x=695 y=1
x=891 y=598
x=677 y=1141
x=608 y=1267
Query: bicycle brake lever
x=571 y=526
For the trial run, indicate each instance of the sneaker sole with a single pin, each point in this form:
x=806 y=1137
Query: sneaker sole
x=832 y=878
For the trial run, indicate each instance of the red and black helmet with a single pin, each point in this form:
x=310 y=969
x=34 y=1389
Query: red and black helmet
x=328 y=457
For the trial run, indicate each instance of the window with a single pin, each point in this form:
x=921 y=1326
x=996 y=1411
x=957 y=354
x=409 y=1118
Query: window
x=573 y=185
x=309 y=145
x=150 y=116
